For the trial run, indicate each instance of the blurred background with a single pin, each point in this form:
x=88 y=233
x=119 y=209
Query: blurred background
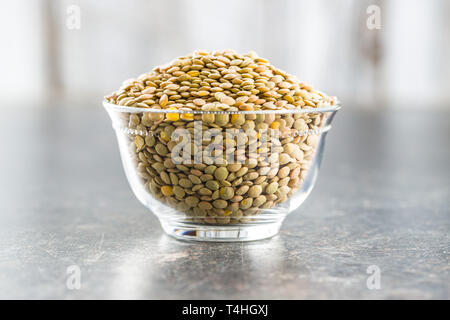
x=81 y=50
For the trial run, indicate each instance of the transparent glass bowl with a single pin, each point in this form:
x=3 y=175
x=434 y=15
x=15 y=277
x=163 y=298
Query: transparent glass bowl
x=218 y=175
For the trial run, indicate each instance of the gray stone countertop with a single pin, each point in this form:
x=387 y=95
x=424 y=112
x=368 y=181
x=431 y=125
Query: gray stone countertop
x=381 y=200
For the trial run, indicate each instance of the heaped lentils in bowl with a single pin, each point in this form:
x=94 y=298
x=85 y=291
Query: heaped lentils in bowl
x=240 y=175
x=218 y=81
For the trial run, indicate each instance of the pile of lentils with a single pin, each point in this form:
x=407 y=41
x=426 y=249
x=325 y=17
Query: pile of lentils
x=225 y=81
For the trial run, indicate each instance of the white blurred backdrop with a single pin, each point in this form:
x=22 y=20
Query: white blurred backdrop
x=404 y=64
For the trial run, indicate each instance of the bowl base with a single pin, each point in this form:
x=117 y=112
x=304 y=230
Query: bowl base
x=220 y=233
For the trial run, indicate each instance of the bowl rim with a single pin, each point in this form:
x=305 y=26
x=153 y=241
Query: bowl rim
x=115 y=107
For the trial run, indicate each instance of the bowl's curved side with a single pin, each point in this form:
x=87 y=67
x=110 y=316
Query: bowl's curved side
x=313 y=172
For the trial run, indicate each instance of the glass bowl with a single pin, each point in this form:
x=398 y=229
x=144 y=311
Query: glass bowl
x=219 y=175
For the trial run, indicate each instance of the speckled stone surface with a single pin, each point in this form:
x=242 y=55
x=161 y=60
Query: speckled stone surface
x=382 y=198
